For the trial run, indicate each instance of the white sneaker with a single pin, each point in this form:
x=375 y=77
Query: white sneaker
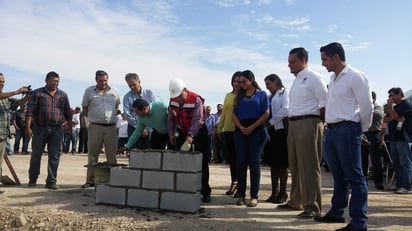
x=401 y=191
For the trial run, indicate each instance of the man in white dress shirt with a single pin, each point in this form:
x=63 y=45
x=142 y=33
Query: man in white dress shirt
x=348 y=114
x=306 y=112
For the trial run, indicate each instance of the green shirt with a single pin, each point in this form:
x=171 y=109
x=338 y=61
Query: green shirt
x=156 y=119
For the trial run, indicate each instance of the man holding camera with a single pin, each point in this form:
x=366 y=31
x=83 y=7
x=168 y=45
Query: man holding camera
x=6 y=105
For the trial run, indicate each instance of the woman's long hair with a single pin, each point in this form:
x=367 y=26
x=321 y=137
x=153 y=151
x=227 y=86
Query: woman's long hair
x=251 y=77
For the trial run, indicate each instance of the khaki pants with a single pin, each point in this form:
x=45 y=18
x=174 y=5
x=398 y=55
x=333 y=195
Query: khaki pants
x=305 y=153
x=98 y=137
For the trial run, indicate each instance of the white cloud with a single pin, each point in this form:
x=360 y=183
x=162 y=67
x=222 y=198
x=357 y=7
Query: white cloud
x=232 y=3
x=298 y=24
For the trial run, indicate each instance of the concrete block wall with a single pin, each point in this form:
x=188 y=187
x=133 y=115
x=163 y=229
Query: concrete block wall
x=159 y=179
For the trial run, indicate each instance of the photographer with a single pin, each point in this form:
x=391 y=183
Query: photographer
x=6 y=105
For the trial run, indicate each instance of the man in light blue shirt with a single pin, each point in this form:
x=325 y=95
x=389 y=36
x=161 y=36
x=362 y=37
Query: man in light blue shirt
x=136 y=92
x=152 y=115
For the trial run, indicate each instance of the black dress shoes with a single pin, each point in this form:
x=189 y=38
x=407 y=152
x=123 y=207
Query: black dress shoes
x=330 y=219
x=351 y=227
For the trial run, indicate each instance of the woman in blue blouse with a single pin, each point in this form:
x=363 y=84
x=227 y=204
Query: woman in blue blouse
x=250 y=112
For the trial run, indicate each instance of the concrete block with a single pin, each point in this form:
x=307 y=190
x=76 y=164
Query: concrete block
x=106 y=194
x=157 y=180
x=143 y=198
x=188 y=182
x=123 y=176
x=182 y=202
x=145 y=159
x=182 y=161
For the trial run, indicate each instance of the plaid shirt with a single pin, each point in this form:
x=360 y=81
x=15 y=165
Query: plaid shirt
x=48 y=110
x=6 y=105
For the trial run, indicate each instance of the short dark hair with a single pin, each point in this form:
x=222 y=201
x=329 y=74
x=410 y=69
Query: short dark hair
x=131 y=76
x=396 y=91
x=52 y=74
x=140 y=104
x=373 y=95
x=101 y=73
x=300 y=52
x=334 y=48
x=274 y=78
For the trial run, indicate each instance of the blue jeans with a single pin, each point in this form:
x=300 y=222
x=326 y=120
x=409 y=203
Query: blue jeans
x=343 y=156
x=20 y=135
x=402 y=163
x=42 y=135
x=249 y=150
x=75 y=138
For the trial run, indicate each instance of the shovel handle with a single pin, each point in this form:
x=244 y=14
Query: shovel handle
x=6 y=159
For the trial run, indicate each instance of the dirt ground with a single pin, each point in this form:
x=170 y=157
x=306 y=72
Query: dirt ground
x=74 y=208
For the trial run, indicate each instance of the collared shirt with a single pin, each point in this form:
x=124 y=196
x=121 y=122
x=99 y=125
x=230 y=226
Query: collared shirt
x=128 y=101
x=101 y=106
x=226 y=124
x=210 y=123
x=48 y=110
x=307 y=94
x=349 y=98
x=5 y=106
x=156 y=119
x=279 y=108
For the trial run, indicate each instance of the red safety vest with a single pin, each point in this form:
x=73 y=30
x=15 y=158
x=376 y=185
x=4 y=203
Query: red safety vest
x=183 y=118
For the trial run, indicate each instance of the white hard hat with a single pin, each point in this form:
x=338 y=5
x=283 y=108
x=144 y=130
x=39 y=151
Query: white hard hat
x=176 y=87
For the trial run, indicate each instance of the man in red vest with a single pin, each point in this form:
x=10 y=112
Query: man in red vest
x=185 y=118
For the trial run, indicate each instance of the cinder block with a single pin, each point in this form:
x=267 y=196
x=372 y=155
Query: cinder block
x=183 y=202
x=106 y=194
x=143 y=198
x=145 y=159
x=182 y=161
x=157 y=180
x=188 y=182
x=123 y=176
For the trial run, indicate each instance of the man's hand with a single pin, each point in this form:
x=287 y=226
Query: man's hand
x=172 y=139
x=189 y=139
x=145 y=133
x=28 y=132
x=122 y=150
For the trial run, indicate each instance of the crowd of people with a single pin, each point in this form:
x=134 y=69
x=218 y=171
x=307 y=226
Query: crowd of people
x=291 y=130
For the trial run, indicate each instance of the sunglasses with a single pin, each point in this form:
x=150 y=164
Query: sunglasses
x=391 y=94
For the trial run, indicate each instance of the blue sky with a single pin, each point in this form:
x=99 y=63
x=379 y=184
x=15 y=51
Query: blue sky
x=201 y=41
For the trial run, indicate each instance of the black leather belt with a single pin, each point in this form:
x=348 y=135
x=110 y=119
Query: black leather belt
x=104 y=125
x=332 y=125
x=294 y=118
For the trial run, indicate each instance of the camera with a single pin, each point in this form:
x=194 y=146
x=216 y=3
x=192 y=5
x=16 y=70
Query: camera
x=29 y=90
